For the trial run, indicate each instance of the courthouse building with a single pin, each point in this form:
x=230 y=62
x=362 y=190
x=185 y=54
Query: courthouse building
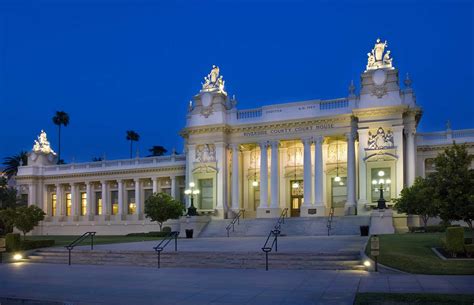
x=311 y=157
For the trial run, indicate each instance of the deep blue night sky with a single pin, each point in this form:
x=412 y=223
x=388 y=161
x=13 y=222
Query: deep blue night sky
x=127 y=64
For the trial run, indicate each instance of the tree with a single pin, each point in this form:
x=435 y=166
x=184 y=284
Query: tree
x=453 y=184
x=418 y=199
x=8 y=195
x=157 y=151
x=132 y=136
x=7 y=219
x=160 y=207
x=97 y=159
x=27 y=218
x=61 y=118
x=12 y=163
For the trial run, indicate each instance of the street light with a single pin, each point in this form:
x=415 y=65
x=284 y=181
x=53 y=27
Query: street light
x=381 y=182
x=191 y=192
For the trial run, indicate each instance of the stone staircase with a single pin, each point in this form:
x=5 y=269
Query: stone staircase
x=348 y=260
x=296 y=226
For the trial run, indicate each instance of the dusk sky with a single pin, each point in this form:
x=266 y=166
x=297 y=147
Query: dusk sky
x=127 y=64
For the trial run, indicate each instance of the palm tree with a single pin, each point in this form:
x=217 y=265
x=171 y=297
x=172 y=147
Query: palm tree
x=61 y=118
x=132 y=136
x=12 y=163
x=157 y=150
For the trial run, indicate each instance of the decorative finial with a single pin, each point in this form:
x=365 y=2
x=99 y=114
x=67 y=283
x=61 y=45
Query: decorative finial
x=448 y=125
x=173 y=152
x=352 y=88
x=190 y=106
x=378 y=58
x=407 y=81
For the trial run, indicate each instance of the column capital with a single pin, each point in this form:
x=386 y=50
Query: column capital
x=275 y=144
x=409 y=130
x=234 y=146
x=104 y=182
x=318 y=140
x=263 y=144
x=136 y=180
x=307 y=140
x=350 y=136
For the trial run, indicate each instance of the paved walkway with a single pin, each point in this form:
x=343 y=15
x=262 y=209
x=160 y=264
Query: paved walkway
x=136 y=285
x=251 y=244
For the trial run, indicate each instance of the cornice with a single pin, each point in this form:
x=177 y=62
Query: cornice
x=437 y=147
x=379 y=111
x=114 y=173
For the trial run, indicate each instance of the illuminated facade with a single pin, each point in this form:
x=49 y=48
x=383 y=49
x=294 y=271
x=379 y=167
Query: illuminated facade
x=310 y=157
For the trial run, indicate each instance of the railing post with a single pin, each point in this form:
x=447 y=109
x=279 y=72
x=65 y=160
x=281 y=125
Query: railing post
x=175 y=242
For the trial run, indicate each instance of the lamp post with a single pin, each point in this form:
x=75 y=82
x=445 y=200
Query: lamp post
x=381 y=202
x=191 y=191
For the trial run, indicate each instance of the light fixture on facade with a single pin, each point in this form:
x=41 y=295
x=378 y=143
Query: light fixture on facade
x=255 y=182
x=381 y=173
x=337 y=178
x=295 y=184
x=17 y=257
x=192 y=192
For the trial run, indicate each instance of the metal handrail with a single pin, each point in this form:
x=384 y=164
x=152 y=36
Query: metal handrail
x=330 y=219
x=78 y=241
x=275 y=232
x=234 y=220
x=164 y=242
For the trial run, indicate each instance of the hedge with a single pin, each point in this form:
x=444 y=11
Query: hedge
x=12 y=241
x=35 y=244
x=454 y=242
x=469 y=250
x=150 y=234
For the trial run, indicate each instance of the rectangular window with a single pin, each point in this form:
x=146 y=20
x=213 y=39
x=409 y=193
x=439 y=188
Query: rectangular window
x=166 y=190
x=132 y=207
x=339 y=192
x=53 y=204
x=206 y=192
x=148 y=193
x=379 y=175
x=98 y=203
x=83 y=204
x=114 y=200
x=68 y=204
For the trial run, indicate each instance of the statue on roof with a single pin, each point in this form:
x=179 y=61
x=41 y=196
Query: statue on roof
x=379 y=57
x=214 y=81
x=41 y=145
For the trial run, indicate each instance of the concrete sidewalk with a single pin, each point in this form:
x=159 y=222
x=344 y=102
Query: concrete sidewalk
x=84 y=284
x=249 y=244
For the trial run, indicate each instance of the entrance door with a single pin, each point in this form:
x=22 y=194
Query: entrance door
x=296 y=197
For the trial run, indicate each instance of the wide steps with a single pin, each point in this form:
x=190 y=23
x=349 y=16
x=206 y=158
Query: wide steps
x=220 y=260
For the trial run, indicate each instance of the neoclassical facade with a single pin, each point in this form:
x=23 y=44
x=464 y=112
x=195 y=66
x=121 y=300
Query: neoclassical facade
x=312 y=157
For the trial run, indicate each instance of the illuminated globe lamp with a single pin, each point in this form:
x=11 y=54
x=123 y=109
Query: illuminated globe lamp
x=295 y=185
x=191 y=192
x=255 y=183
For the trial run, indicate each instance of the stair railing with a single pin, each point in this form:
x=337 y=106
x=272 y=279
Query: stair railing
x=234 y=220
x=164 y=242
x=77 y=241
x=330 y=220
x=275 y=232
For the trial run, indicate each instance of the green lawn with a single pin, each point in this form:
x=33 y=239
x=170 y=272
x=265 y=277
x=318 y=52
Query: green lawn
x=63 y=240
x=413 y=298
x=412 y=252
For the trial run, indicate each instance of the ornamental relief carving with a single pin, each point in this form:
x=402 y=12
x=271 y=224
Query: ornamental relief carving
x=205 y=153
x=380 y=139
x=294 y=156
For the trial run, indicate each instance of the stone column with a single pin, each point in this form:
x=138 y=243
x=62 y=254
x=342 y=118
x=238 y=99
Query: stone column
x=122 y=211
x=319 y=177
x=398 y=141
x=221 y=192
x=155 y=184
x=32 y=194
x=307 y=185
x=105 y=199
x=173 y=187
x=263 y=176
x=59 y=201
x=351 y=194
x=363 y=137
x=74 y=203
x=138 y=199
x=411 y=154
x=235 y=176
x=90 y=209
x=275 y=176
x=45 y=201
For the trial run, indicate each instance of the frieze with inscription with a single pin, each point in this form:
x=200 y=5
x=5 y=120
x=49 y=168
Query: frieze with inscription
x=288 y=130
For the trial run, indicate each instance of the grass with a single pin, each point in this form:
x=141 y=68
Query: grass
x=63 y=240
x=413 y=298
x=412 y=253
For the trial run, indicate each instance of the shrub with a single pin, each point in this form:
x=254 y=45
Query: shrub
x=149 y=234
x=469 y=250
x=455 y=240
x=12 y=241
x=34 y=244
x=429 y=229
x=166 y=229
